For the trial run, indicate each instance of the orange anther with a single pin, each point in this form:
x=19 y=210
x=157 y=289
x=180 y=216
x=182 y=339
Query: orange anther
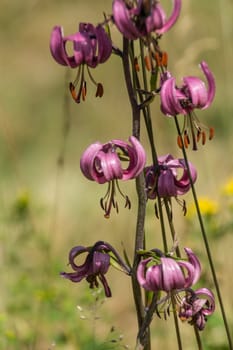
x=100 y=90
x=179 y=141
x=186 y=141
x=158 y=59
x=203 y=137
x=164 y=59
x=136 y=65
x=148 y=63
x=161 y=59
x=72 y=91
x=84 y=90
x=211 y=133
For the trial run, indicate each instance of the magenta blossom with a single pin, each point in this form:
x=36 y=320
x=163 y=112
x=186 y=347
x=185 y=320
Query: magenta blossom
x=196 y=306
x=170 y=178
x=91 y=46
x=139 y=20
x=104 y=163
x=169 y=275
x=183 y=100
x=174 y=276
x=192 y=94
x=96 y=264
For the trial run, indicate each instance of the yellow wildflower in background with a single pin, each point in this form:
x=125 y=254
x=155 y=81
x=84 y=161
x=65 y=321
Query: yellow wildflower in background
x=207 y=206
x=21 y=204
x=228 y=187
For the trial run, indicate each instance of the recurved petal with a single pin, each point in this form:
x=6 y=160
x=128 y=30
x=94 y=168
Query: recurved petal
x=74 y=252
x=156 y=19
x=206 y=294
x=100 y=263
x=197 y=91
x=104 y=44
x=107 y=167
x=192 y=169
x=193 y=259
x=137 y=156
x=57 y=47
x=211 y=83
x=200 y=321
x=173 y=277
x=183 y=183
x=189 y=273
x=154 y=278
x=172 y=19
x=170 y=104
x=122 y=20
x=141 y=272
x=73 y=276
x=107 y=289
x=166 y=184
x=88 y=159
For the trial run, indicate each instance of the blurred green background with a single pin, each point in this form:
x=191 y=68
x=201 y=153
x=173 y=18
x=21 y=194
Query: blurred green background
x=46 y=209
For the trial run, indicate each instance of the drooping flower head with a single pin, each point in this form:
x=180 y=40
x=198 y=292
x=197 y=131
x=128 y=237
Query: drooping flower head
x=104 y=163
x=95 y=266
x=136 y=19
x=159 y=273
x=183 y=100
x=196 y=306
x=169 y=179
x=169 y=274
x=145 y=19
x=91 y=46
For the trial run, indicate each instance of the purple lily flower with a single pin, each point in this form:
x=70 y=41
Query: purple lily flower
x=91 y=46
x=96 y=264
x=165 y=181
x=176 y=277
x=196 y=306
x=168 y=275
x=103 y=163
x=136 y=21
x=192 y=94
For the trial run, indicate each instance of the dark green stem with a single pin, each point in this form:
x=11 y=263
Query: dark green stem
x=198 y=338
x=162 y=224
x=171 y=225
x=178 y=336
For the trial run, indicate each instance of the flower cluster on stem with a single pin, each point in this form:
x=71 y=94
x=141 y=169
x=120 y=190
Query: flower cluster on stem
x=167 y=279
x=159 y=273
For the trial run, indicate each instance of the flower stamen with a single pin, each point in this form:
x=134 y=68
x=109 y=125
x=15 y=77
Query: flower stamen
x=136 y=64
x=197 y=130
x=148 y=63
x=109 y=199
